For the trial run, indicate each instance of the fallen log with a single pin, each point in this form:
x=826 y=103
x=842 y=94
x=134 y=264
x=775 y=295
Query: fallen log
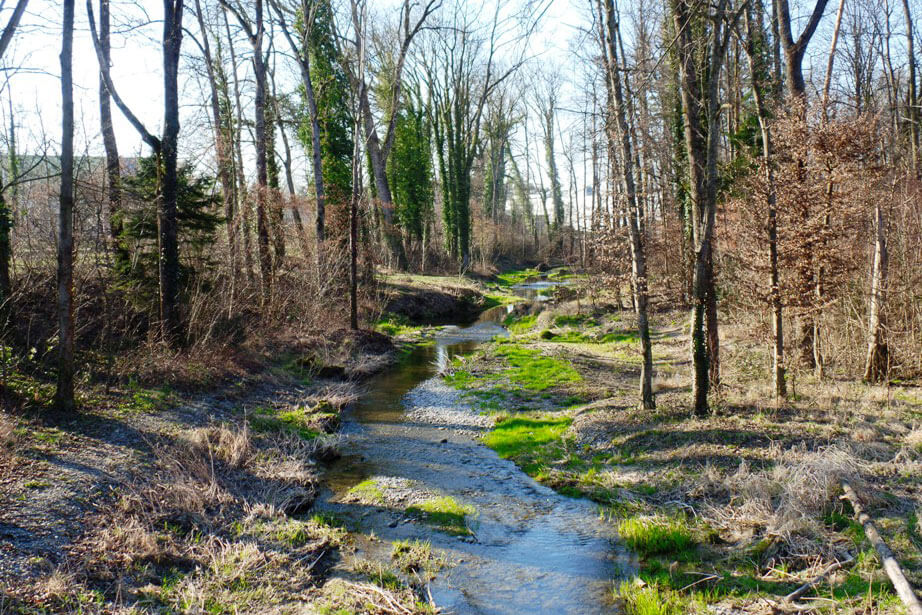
x=891 y=567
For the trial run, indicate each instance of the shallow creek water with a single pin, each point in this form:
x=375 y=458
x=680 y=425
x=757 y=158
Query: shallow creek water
x=533 y=551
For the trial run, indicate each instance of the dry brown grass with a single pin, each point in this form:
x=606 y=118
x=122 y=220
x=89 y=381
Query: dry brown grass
x=215 y=507
x=914 y=440
x=789 y=500
x=338 y=395
x=363 y=597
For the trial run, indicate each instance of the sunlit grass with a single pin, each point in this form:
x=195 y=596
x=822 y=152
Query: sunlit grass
x=511 y=278
x=650 y=600
x=395 y=324
x=445 y=513
x=516 y=435
x=656 y=535
x=295 y=422
x=520 y=324
x=534 y=371
x=368 y=491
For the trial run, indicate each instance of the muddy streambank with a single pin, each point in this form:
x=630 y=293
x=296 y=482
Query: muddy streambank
x=515 y=547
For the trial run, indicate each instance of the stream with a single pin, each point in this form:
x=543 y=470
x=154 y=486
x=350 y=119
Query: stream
x=532 y=551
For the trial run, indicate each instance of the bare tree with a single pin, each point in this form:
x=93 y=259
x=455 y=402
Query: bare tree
x=379 y=152
x=300 y=50
x=64 y=394
x=794 y=51
x=255 y=33
x=620 y=132
x=5 y=216
x=222 y=136
x=876 y=364
x=10 y=28
x=911 y=97
x=113 y=166
x=754 y=46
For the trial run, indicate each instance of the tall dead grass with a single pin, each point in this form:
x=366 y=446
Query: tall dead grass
x=205 y=485
x=788 y=501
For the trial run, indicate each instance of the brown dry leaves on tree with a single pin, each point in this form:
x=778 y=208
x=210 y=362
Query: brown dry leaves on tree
x=827 y=178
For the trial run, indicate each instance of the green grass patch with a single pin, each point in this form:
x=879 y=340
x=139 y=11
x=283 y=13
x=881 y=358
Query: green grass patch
x=656 y=535
x=395 y=324
x=639 y=599
x=378 y=573
x=298 y=367
x=520 y=324
x=492 y=300
x=459 y=378
x=145 y=401
x=295 y=422
x=518 y=435
x=368 y=491
x=445 y=513
x=511 y=278
x=48 y=435
x=575 y=320
x=619 y=337
x=534 y=371
x=416 y=557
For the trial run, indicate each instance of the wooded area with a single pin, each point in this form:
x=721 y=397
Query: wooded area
x=423 y=120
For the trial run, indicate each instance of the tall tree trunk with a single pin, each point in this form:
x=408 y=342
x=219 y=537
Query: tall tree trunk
x=255 y=33
x=167 y=215
x=64 y=395
x=10 y=29
x=876 y=362
x=289 y=180
x=6 y=257
x=222 y=137
x=300 y=50
x=701 y=114
x=761 y=88
x=241 y=221
x=6 y=224
x=165 y=152
x=912 y=98
x=827 y=82
x=354 y=228
x=262 y=153
x=621 y=133
x=120 y=255
x=377 y=152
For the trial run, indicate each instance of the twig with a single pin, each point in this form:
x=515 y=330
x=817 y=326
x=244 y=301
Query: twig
x=800 y=591
x=707 y=578
x=313 y=563
x=891 y=567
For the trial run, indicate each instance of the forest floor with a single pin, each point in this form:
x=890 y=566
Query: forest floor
x=162 y=499
x=726 y=513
